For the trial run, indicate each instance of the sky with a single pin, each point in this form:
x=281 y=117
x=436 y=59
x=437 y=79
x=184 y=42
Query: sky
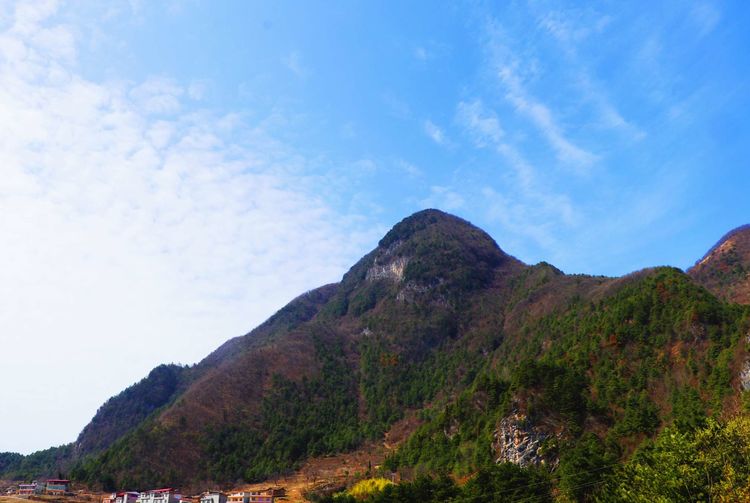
x=172 y=173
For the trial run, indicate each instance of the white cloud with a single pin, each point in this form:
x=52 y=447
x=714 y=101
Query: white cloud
x=705 y=16
x=526 y=206
x=609 y=116
x=349 y=130
x=158 y=95
x=293 y=62
x=136 y=231
x=435 y=133
x=197 y=89
x=366 y=166
x=409 y=168
x=397 y=107
x=429 y=50
x=443 y=198
x=541 y=116
x=481 y=123
x=512 y=73
x=571 y=29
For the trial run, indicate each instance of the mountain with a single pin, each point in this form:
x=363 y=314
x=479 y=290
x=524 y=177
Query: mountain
x=725 y=269
x=492 y=359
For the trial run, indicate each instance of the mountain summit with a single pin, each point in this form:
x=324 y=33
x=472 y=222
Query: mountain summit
x=484 y=358
x=725 y=269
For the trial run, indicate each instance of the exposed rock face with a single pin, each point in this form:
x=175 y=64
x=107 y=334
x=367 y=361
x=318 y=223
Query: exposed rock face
x=411 y=290
x=393 y=270
x=387 y=265
x=745 y=371
x=516 y=441
x=745 y=376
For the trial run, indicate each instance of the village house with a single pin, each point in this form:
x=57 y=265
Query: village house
x=213 y=497
x=57 y=487
x=256 y=496
x=166 y=495
x=121 y=497
x=29 y=489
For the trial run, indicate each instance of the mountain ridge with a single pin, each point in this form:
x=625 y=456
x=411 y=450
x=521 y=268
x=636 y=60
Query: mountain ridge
x=436 y=312
x=725 y=268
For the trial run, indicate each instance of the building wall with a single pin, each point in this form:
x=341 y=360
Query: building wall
x=152 y=497
x=214 y=498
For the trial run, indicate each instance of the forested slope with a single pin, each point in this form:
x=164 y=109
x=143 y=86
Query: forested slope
x=560 y=375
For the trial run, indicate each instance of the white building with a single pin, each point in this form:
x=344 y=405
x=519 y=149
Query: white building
x=256 y=496
x=213 y=497
x=166 y=495
x=122 y=497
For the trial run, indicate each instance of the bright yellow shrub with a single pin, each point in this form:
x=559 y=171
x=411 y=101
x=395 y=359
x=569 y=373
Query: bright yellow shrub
x=365 y=488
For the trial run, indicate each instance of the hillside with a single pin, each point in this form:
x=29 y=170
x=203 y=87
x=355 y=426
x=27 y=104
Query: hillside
x=497 y=361
x=725 y=269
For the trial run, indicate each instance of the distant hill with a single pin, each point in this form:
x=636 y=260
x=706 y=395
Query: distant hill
x=500 y=361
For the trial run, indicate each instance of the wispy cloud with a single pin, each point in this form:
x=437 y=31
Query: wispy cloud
x=435 y=133
x=526 y=206
x=541 y=116
x=512 y=72
x=705 y=16
x=483 y=125
x=430 y=50
x=421 y=54
x=409 y=168
x=574 y=28
x=197 y=89
x=443 y=198
x=609 y=117
x=293 y=62
x=158 y=96
x=398 y=107
x=568 y=31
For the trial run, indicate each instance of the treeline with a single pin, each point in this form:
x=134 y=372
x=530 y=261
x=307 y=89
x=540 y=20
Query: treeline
x=52 y=462
x=711 y=463
x=504 y=482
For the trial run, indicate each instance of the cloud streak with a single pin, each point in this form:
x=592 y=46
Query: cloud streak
x=541 y=116
x=435 y=133
x=529 y=208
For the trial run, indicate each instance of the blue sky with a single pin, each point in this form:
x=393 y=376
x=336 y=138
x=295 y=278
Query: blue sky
x=174 y=172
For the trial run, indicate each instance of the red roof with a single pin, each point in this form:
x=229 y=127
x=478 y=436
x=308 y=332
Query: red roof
x=165 y=490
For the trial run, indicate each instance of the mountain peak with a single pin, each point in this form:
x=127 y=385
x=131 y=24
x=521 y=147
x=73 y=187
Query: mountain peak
x=438 y=223
x=433 y=246
x=725 y=268
x=420 y=221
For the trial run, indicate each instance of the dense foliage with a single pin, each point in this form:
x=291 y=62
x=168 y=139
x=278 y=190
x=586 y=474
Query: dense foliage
x=52 y=462
x=438 y=325
x=314 y=417
x=711 y=463
x=612 y=366
x=504 y=482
